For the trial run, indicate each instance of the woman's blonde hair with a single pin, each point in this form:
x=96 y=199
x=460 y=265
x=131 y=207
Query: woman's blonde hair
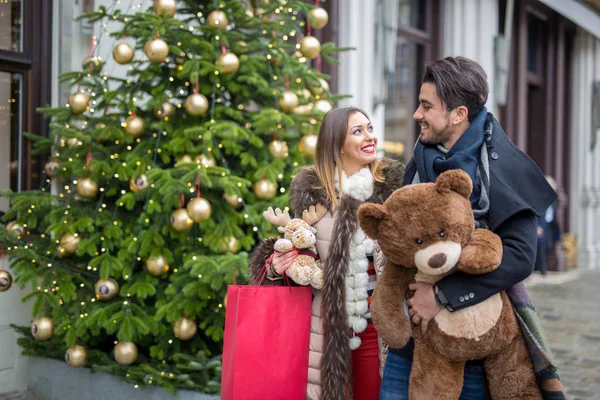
x=332 y=136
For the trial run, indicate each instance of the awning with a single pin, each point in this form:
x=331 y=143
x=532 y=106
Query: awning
x=577 y=12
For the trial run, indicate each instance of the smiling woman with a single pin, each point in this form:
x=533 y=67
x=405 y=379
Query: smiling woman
x=360 y=145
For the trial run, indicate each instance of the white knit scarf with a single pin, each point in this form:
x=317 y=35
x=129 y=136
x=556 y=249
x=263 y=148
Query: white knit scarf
x=360 y=187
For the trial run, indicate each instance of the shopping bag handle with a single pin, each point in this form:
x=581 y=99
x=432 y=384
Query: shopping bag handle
x=265 y=270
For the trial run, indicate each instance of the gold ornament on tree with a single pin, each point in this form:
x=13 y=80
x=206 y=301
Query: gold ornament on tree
x=181 y=221
x=134 y=126
x=196 y=104
x=279 y=149
x=126 y=353
x=205 y=160
x=5 y=280
x=240 y=47
x=92 y=64
x=157 y=265
x=264 y=189
x=230 y=245
x=323 y=106
x=308 y=145
x=106 y=289
x=166 y=109
x=229 y=62
x=72 y=142
x=317 y=89
x=217 y=19
x=138 y=184
x=310 y=47
x=164 y=7
x=87 y=188
x=184 y=328
x=76 y=356
x=233 y=200
x=79 y=103
x=199 y=209
x=288 y=101
x=68 y=244
x=42 y=328
x=14 y=226
x=318 y=18
x=156 y=50
x=122 y=53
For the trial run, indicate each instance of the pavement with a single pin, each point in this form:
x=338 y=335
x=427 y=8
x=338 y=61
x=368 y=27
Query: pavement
x=568 y=304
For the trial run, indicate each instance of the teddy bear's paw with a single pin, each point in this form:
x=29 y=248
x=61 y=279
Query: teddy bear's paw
x=354 y=343
x=283 y=245
x=317 y=280
x=298 y=275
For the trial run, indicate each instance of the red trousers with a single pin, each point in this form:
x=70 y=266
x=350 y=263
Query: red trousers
x=365 y=366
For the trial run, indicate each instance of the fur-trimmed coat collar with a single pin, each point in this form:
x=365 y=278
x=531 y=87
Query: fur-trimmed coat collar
x=305 y=191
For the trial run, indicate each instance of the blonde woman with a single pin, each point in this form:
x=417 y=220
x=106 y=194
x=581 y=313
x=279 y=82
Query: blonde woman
x=345 y=357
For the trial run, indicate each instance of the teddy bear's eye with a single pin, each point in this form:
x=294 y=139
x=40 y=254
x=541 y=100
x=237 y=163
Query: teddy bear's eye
x=442 y=234
x=419 y=241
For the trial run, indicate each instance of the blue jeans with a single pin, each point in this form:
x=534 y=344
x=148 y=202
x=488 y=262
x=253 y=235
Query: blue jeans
x=394 y=385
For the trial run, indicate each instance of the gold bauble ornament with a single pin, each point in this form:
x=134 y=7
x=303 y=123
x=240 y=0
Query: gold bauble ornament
x=72 y=142
x=240 y=47
x=318 y=18
x=164 y=7
x=265 y=189
x=308 y=145
x=299 y=56
x=310 y=47
x=205 y=160
x=106 y=289
x=166 y=109
x=156 y=50
x=134 y=126
x=275 y=59
x=303 y=109
x=184 y=328
x=279 y=149
x=50 y=168
x=196 y=104
x=233 y=200
x=230 y=245
x=42 y=328
x=126 y=353
x=68 y=244
x=181 y=221
x=157 y=265
x=14 y=226
x=138 y=184
x=229 y=62
x=317 y=89
x=79 y=103
x=5 y=280
x=87 y=188
x=184 y=159
x=122 y=53
x=92 y=64
x=323 y=106
x=288 y=101
x=217 y=19
x=199 y=209
x=76 y=356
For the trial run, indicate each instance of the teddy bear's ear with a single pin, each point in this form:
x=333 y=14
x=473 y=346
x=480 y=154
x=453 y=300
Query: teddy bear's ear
x=456 y=180
x=369 y=217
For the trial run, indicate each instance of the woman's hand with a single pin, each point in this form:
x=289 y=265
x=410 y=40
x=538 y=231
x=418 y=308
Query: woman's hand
x=282 y=261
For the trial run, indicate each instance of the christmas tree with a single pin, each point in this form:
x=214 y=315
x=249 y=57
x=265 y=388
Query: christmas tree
x=156 y=182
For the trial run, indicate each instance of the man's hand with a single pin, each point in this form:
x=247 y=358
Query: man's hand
x=422 y=306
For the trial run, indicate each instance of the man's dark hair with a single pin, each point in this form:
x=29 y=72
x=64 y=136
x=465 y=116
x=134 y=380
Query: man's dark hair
x=459 y=82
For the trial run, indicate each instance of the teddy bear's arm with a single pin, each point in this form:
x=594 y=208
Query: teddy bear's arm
x=483 y=254
x=283 y=245
x=387 y=305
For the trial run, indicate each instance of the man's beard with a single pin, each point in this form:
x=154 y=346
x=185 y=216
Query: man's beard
x=436 y=136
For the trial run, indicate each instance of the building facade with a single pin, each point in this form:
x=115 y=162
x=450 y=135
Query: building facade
x=542 y=58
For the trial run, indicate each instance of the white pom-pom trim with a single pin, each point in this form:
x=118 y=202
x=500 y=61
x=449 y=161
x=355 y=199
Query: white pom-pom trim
x=360 y=325
x=354 y=343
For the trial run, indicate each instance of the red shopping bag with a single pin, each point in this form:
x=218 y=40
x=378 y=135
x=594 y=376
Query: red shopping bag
x=266 y=344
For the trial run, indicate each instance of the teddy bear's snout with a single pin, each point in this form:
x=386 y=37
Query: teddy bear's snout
x=305 y=236
x=437 y=260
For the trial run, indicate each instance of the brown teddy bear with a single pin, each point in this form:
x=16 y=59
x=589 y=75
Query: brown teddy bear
x=427 y=231
x=300 y=235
